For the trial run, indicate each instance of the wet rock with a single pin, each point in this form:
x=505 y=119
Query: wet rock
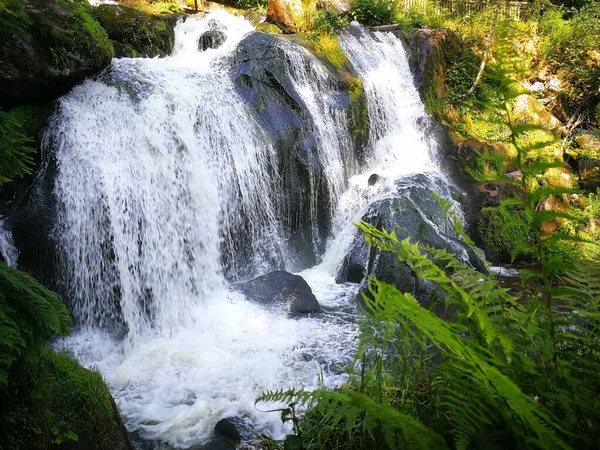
x=262 y=78
x=426 y=49
x=412 y=212
x=373 y=179
x=211 y=39
x=48 y=46
x=286 y=14
x=283 y=289
x=227 y=429
x=136 y=33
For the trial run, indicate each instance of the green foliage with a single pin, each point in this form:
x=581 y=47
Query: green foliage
x=500 y=370
x=53 y=401
x=328 y=47
x=505 y=230
x=16 y=146
x=13 y=17
x=253 y=5
x=569 y=46
x=374 y=12
x=325 y=21
x=29 y=315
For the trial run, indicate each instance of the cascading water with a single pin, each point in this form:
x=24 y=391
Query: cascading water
x=166 y=182
x=7 y=248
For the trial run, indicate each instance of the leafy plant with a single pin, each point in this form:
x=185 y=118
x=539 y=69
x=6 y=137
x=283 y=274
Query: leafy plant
x=16 y=150
x=374 y=12
x=29 y=315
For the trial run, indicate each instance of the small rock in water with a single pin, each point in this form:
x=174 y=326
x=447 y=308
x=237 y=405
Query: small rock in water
x=211 y=39
x=373 y=179
x=227 y=429
x=280 y=287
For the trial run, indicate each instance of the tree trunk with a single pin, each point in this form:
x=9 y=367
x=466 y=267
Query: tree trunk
x=488 y=50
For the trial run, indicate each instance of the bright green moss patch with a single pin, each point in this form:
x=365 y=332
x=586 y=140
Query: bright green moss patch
x=136 y=33
x=504 y=230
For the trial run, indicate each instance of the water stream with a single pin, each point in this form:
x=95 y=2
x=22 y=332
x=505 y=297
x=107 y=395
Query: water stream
x=166 y=181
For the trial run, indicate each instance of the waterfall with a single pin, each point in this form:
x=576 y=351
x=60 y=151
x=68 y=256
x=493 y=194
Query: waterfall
x=168 y=188
x=7 y=248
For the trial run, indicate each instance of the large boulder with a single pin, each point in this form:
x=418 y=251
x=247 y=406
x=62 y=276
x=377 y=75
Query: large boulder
x=282 y=289
x=411 y=213
x=286 y=14
x=527 y=110
x=136 y=33
x=262 y=76
x=47 y=46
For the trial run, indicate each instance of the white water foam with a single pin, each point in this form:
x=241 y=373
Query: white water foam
x=7 y=248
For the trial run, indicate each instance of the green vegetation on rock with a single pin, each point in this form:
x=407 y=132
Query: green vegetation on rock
x=47 y=398
x=268 y=28
x=136 y=33
x=46 y=46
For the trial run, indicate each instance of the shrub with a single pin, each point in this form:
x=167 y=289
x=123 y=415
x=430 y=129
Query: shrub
x=374 y=12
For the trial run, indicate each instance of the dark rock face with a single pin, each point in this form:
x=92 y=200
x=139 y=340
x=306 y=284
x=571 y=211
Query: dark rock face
x=426 y=49
x=31 y=217
x=211 y=39
x=136 y=33
x=281 y=288
x=47 y=46
x=262 y=78
x=412 y=213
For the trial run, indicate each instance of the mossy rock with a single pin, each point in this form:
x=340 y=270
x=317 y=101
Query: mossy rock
x=53 y=401
x=48 y=46
x=136 y=33
x=268 y=28
x=589 y=143
x=502 y=231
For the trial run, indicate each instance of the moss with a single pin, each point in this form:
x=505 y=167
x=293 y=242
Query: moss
x=13 y=17
x=136 y=33
x=54 y=400
x=503 y=230
x=268 y=28
x=358 y=112
x=328 y=47
x=74 y=30
x=95 y=30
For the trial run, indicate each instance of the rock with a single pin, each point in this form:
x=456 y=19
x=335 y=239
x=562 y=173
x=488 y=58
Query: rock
x=268 y=28
x=373 y=179
x=527 y=110
x=211 y=39
x=426 y=49
x=283 y=289
x=48 y=46
x=412 y=212
x=262 y=78
x=589 y=142
x=286 y=14
x=136 y=33
x=339 y=6
x=588 y=170
x=227 y=429
x=492 y=193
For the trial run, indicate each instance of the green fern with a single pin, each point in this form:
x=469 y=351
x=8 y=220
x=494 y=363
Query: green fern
x=29 y=315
